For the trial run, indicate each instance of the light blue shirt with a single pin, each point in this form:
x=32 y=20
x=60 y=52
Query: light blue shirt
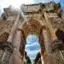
x=32 y=47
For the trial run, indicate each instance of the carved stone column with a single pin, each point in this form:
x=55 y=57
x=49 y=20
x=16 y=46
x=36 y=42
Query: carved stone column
x=50 y=27
x=47 y=42
x=16 y=58
x=22 y=46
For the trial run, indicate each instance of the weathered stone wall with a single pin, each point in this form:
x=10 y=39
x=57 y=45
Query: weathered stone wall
x=5 y=26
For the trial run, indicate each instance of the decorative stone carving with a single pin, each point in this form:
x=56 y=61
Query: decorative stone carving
x=6 y=50
x=57 y=54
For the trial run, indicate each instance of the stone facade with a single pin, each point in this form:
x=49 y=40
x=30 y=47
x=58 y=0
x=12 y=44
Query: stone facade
x=40 y=19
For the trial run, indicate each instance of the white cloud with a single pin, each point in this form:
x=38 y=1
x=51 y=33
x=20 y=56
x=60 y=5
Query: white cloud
x=15 y=3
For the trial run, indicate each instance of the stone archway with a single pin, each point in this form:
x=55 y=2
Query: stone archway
x=31 y=26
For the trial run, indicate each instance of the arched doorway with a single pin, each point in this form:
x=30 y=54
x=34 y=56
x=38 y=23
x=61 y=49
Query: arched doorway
x=32 y=29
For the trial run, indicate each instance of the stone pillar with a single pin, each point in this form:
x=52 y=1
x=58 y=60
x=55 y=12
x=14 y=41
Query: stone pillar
x=13 y=30
x=8 y=46
x=47 y=42
x=22 y=46
x=16 y=57
x=50 y=27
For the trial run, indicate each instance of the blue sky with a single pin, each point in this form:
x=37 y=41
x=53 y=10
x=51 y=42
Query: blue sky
x=62 y=3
